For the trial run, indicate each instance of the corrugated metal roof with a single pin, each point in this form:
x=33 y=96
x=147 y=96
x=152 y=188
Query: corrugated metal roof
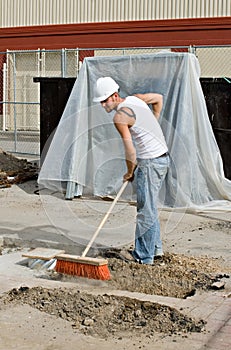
x=43 y=12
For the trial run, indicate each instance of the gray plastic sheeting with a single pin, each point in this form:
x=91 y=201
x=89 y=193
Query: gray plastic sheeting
x=87 y=149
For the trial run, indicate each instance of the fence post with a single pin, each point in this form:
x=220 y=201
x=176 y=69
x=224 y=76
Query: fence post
x=43 y=62
x=15 y=112
x=38 y=63
x=192 y=49
x=63 y=63
x=77 y=62
x=4 y=97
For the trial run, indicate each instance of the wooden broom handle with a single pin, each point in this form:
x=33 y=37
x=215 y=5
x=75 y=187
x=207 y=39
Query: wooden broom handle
x=104 y=219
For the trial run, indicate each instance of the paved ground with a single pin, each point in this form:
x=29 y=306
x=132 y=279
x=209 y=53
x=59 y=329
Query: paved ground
x=30 y=220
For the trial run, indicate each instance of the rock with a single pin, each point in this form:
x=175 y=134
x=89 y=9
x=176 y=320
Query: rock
x=218 y=285
x=88 y=322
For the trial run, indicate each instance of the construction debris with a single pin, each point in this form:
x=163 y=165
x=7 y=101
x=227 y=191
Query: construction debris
x=14 y=170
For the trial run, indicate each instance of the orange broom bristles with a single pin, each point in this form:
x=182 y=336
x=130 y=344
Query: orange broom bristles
x=83 y=266
x=83 y=270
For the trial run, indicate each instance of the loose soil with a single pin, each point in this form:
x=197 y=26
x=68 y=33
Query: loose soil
x=174 y=275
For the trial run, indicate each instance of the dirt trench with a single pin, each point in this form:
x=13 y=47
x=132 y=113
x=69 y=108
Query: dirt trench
x=103 y=315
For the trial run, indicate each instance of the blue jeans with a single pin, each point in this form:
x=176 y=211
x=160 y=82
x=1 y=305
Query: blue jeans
x=150 y=176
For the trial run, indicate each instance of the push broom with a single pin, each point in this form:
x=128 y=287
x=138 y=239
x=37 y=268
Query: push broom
x=83 y=266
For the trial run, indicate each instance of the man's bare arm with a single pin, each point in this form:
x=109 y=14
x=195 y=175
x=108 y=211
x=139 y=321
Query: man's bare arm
x=156 y=100
x=121 y=121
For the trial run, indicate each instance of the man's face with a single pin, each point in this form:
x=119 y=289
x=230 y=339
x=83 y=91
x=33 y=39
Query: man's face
x=109 y=104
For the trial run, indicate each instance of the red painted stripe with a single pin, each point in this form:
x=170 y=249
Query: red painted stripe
x=182 y=32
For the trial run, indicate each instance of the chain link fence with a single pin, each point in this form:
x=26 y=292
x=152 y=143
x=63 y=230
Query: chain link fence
x=20 y=96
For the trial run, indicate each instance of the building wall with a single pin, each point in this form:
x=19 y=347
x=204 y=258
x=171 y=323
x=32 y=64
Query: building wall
x=17 y=13
x=181 y=32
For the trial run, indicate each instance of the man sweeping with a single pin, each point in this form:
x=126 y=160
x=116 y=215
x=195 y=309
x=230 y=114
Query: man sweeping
x=147 y=152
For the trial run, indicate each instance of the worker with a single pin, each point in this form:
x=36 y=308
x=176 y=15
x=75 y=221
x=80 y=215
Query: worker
x=147 y=153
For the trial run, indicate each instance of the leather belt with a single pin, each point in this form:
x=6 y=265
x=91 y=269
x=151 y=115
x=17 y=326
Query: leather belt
x=164 y=155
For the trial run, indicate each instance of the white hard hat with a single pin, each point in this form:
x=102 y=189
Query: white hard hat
x=104 y=88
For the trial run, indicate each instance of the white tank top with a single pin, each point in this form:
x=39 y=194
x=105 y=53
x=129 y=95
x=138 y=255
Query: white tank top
x=146 y=133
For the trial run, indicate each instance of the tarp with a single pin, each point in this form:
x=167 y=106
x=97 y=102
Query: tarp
x=87 y=149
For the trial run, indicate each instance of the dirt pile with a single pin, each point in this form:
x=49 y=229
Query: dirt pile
x=14 y=170
x=103 y=315
x=175 y=275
